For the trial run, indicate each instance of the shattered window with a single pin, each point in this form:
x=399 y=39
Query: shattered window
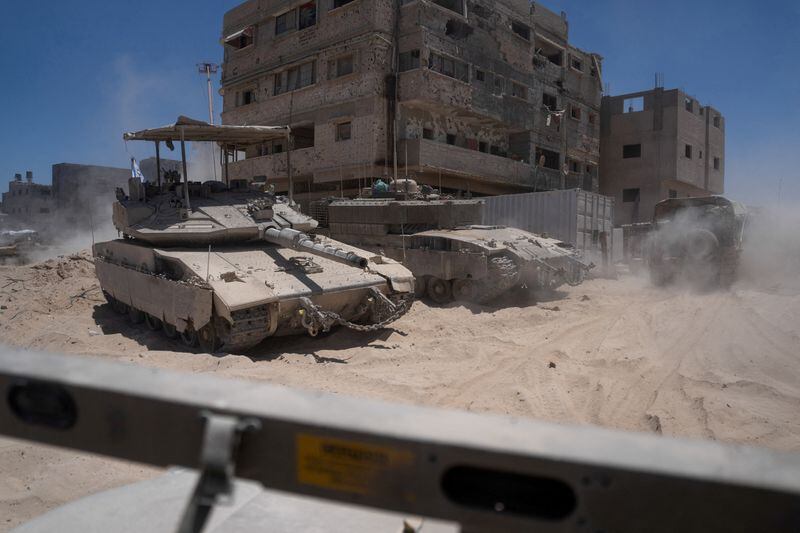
x=522 y=30
x=550 y=101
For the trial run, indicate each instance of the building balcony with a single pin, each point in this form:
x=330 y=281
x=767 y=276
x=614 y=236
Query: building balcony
x=430 y=157
x=274 y=166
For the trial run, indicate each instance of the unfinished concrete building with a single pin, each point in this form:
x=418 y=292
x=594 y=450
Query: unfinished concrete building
x=656 y=145
x=475 y=96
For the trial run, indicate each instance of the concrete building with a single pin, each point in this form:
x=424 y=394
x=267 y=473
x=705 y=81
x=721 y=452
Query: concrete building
x=659 y=144
x=477 y=95
x=27 y=201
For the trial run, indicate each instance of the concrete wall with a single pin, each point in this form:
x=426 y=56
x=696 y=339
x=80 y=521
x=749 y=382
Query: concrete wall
x=664 y=127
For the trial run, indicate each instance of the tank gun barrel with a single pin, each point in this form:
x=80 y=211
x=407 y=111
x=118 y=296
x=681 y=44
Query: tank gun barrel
x=297 y=240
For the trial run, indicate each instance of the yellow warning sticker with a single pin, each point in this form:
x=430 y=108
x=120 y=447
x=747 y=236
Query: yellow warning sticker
x=346 y=465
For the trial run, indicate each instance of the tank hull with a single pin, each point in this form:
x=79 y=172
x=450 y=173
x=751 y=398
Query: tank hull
x=242 y=295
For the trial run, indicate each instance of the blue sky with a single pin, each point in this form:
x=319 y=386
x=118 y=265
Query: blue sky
x=78 y=74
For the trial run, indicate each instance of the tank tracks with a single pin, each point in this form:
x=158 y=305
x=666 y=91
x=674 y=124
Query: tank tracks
x=503 y=274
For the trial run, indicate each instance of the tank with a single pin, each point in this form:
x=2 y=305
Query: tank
x=442 y=242
x=223 y=266
x=17 y=245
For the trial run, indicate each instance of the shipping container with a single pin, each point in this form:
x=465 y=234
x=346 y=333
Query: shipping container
x=574 y=216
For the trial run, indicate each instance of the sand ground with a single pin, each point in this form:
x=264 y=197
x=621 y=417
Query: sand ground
x=615 y=353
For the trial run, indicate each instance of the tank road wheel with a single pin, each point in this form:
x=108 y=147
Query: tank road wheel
x=119 y=307
x=208 y=339
x=153 y=324
x=189 y=337
x=465 y=290
x=135 y=316
x=170 y=331
x=440 y=290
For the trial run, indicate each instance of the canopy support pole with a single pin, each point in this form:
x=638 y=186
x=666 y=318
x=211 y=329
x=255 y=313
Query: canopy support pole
x=289 y=167
x=158 y=164
x=185 y=171
x=227 y=175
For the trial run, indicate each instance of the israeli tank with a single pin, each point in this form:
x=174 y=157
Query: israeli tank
x=225 y=266
x=441 y=240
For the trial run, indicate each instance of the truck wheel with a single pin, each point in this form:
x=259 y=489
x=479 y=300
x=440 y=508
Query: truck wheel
x=440 y=290
x=465 y=290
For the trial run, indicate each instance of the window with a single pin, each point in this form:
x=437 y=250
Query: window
x=673 y=193
x=286 y=22
x=344 y=131
x=574 y=112
x=453 y=5
x=634 y=105
x=575 y=167
x=702 y=111
x=409 y=60
x=519 y=91
x=246 y=97
x=701 y=154
x=483 y=147
x=44 y=210
x=340 y=3
x=548 y=159
x=716 y=163
x=295 y=78
x=341 y=66
x=631 y=151
x=499 y=85
x=550 y=101
x=241 y=39
x=451 y=139
x=554 y=54
x=592 y=119
x=480 y=75
x=449 y=67
x=576 y=64
x=593 y=72
x=521 y=29
x=308 y=15
x=688 y=151
x=717 y=121
x=630 y=195
x=689 y=104
x=591 y=170
x=427 y=133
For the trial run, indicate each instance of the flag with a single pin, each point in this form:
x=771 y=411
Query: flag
x=135 y=171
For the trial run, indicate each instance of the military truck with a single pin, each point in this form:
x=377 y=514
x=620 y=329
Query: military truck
x=224 y=265
x=442 y=241
x=696 y=239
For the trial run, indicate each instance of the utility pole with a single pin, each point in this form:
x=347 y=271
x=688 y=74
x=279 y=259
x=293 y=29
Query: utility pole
x=208 y=69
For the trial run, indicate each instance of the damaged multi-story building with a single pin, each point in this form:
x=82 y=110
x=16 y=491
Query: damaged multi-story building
x=659 y=144
x=478 y=96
